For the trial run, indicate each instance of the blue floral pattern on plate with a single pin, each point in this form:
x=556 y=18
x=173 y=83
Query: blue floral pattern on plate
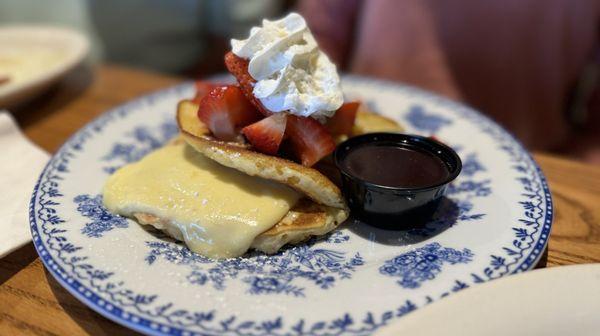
x=264 y=274
x=100 y=281
x=142 y=140
x=423 y=263
x=102 y=220
x=425 y=121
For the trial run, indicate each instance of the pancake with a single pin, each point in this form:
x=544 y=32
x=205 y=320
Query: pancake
x=157 y=191
x=304 y=220
x=217 y=211
x=198 y=135
x=369 y=122
x=320 y=207
x=307 y=181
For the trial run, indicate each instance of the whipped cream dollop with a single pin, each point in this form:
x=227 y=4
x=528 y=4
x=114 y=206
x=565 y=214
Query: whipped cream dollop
x=291 y=72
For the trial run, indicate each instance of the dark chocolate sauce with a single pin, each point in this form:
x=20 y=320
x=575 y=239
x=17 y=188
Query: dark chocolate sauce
x=398 y=167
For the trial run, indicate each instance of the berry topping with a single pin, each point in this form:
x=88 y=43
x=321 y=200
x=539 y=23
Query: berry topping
x=309 y=139
x=343 y=119
x=224 y=109
x=238 y=67
x=266 y=135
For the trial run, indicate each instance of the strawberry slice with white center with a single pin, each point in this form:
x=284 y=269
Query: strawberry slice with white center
x=266 y=135
x=225 y=109
x=309 y=139
x=238 y=67
x=343 y=119
x=203 y=88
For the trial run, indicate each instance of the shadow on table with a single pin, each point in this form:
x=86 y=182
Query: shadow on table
x=15 y=261
x=542 y=263
x=61 y=93
x=92 y=322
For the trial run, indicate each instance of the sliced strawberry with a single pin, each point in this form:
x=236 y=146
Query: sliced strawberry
x=266 y=135
x=203 y=88
x=309 y=139
x=241 y=110
x=224 y=109
x=238 y=67
x=343 y=119
x=214 y=113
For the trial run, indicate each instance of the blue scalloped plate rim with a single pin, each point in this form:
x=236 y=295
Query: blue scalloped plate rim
x=144 y=325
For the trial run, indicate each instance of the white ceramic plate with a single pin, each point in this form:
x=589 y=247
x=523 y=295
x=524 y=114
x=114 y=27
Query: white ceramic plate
x=61 y=48
x=552 y=302
x=494 y=222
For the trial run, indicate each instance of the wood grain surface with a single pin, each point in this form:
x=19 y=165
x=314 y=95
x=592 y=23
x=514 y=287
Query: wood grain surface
x=33 y=303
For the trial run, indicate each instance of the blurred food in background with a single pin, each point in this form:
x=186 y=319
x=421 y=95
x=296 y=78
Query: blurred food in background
x=175 y=36
x=32 y=58
x=532 y=65
x=20 y=62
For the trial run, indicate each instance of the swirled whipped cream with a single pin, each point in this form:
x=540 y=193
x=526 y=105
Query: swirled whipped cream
x=291 y=73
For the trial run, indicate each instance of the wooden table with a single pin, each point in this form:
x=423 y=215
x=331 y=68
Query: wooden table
x=33 y=303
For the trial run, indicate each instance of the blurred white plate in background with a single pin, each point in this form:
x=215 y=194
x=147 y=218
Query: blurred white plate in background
x=555 y=301
x=34 y=57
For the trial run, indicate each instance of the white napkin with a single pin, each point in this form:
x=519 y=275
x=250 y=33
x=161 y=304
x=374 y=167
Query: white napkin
x=20 y=166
